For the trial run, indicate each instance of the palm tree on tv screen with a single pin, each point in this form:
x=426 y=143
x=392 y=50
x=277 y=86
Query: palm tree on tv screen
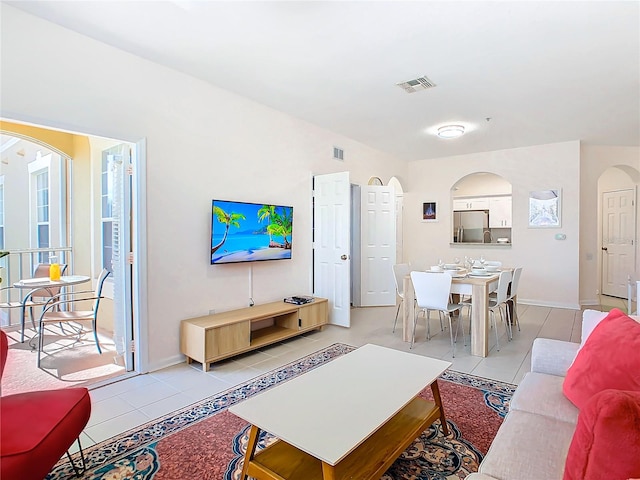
x=228 y=219
x=280 y=223
x=267 y=212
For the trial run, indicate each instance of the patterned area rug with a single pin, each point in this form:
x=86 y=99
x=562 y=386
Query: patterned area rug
x=205 y=441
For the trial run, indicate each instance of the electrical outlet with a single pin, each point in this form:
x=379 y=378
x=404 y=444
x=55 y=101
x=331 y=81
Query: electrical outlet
x=212 y=311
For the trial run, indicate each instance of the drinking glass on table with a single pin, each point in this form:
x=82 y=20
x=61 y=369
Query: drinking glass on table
x=471 y=263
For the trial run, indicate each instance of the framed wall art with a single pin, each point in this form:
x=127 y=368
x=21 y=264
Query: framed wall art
x=429 y=212
x=545 y=208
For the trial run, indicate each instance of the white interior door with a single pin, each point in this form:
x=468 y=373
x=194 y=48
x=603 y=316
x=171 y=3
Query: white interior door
x=618 y=241
x=378 y=246
x=331 y=262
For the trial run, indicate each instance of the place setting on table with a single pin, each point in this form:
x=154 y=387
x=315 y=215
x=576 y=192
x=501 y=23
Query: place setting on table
x=470 y=268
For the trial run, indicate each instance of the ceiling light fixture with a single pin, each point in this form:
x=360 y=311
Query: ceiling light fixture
x=451 y=131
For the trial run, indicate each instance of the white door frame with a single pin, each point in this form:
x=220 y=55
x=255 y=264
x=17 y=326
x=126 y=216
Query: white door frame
x=139 y=268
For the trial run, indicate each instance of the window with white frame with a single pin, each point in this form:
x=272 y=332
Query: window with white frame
x=2 y=213
x=107 y=209
x=42 y=213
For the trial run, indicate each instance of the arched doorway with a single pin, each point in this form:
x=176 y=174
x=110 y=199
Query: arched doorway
x=617 y=229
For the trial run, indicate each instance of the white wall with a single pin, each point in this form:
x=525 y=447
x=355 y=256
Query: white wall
x=202 y=143
x=550 y=275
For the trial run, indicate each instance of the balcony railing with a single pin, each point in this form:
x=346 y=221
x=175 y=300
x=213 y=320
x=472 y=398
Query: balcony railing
x=20 y=264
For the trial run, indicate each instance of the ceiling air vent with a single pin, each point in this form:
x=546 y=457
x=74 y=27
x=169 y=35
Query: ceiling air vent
x=421 y=83
x=338 y=153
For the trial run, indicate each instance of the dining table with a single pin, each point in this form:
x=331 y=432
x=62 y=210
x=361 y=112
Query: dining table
x=46 y=284
x=478 y=287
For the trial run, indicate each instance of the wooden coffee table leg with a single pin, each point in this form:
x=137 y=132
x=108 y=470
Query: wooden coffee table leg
x=436 y=397
x=251 y=450
x=328 y=472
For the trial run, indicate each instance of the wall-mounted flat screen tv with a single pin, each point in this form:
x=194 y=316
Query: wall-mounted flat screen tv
x=250 y=232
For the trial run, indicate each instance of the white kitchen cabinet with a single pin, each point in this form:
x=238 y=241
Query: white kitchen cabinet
x=500 y=212
x=461 y=204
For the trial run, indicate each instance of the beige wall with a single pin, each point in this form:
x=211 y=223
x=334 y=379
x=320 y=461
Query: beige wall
x=62 y=141
x=550 y=266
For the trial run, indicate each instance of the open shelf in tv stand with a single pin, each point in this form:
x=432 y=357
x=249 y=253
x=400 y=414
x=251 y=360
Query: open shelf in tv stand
x=222 y=335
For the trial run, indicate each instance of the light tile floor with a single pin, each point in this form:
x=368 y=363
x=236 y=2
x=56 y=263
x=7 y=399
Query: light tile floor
x=131 y=402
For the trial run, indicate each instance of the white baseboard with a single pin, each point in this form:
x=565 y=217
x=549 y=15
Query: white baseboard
x=165 y=362
x=589 y=302
x=538 y=303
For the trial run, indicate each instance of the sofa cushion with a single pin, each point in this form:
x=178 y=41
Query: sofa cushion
x=590 y=319
x=528 y=446
x=608 y=423
x=608 y=359
x=553 y=357
x=542 y=394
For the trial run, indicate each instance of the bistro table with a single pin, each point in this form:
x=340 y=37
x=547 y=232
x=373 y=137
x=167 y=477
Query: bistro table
x=479 y=289
x=44 y=283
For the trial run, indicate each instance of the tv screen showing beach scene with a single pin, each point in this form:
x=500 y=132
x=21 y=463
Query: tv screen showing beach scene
x=250 y=232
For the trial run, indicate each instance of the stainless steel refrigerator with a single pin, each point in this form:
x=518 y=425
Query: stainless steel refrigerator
x=470 y=226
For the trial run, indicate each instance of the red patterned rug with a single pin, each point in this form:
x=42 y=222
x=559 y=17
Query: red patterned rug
x=205 y=441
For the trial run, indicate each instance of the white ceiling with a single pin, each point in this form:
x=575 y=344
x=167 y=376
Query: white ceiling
x=542 y=72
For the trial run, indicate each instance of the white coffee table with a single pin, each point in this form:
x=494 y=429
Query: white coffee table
x=350 y=418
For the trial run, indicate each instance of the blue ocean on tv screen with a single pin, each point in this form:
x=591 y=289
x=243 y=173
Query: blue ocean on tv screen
x=245 y=242
x=254 y=232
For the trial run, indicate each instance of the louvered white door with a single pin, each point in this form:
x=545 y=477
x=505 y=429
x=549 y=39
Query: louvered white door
x=121 y=166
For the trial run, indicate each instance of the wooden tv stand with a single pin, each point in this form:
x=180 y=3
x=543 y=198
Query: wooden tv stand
x=215 y=337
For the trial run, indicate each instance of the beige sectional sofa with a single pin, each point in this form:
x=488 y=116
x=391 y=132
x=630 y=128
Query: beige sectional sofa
x=533 y=441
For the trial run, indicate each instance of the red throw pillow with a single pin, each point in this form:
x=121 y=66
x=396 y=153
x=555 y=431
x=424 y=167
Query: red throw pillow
x=610 y=358
x=606 y=443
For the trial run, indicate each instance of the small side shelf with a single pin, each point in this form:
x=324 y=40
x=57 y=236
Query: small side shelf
x=215 y=337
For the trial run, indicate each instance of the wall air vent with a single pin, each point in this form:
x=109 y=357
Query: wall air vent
x=421 y=83
x=338 y=153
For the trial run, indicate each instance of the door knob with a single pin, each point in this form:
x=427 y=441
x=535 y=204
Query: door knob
x=343 y=257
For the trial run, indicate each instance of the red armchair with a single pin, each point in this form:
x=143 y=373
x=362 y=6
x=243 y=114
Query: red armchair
x=37 y=428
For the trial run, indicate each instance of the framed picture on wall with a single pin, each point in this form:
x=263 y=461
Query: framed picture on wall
x=545 y=208
x=429 y=212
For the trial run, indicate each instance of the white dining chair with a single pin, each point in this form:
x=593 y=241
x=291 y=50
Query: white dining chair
x=432 y=293
x=513 y=291
x=498 y=302
x=400 y=270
